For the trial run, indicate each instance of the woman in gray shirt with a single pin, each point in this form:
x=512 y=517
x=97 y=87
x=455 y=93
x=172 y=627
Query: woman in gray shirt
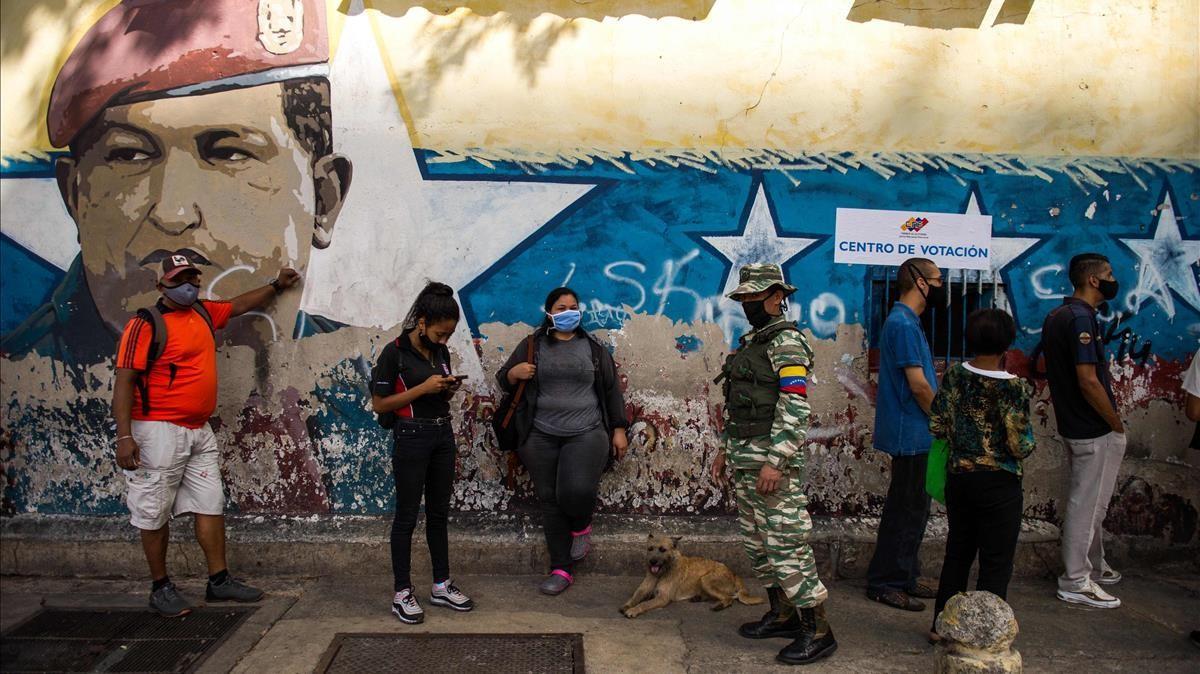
x=571 y=416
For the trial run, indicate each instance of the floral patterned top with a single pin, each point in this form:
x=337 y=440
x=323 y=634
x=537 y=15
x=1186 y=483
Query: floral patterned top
x=984 y=418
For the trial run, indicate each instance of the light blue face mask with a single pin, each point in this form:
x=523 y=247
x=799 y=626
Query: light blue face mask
x=184 y=294
x=566 y=321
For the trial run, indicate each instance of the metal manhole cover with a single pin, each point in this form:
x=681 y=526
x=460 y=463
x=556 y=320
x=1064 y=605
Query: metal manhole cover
x=116 y=640
x=458 y=653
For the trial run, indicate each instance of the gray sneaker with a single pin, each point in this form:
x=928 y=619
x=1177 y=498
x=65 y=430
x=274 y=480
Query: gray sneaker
x=581 y=543
x=232 y=590
x=167 y=601
x=556 y=583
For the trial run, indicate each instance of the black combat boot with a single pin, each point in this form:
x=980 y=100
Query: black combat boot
x=814 y=641
x=780 y=620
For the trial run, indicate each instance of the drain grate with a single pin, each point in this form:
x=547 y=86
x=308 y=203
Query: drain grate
x=458 y=653
x=116 y=640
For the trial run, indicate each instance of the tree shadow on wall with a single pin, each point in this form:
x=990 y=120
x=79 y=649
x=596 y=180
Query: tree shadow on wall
x=449 y=34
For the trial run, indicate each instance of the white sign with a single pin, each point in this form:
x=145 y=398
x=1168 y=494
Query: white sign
x=951 y=240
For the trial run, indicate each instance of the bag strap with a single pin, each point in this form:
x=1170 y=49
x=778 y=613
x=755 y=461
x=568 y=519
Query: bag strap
x=203 y=311
x=158 y=343
x=520 y=387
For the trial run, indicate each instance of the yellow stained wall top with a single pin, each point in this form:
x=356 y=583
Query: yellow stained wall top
x=1075 y=78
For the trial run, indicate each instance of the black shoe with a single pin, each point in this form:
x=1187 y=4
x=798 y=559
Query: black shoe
x=814 y=642
x=896 y=599
x=922 y=589
x=231 y=589
x=406 y=608
x=773 y=623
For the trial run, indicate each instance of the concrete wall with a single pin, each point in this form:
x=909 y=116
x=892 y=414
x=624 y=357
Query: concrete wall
x=637 y=151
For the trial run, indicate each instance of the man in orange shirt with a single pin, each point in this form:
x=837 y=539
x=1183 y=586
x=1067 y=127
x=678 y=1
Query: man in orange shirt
x=165 y=391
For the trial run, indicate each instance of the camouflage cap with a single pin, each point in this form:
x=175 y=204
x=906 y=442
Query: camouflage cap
x=757 y=277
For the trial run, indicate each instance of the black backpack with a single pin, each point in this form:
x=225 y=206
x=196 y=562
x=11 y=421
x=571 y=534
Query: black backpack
x=158 y=343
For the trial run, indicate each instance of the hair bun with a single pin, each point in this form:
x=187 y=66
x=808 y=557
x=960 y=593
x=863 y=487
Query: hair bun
x=438 y=290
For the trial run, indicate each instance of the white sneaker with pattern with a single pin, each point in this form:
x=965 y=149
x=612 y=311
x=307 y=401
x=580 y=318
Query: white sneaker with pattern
x=446 y=594
x=1091 y=595
x=406 y=608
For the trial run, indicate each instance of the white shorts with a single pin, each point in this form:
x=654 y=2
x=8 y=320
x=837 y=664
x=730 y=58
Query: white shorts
x=179 y=474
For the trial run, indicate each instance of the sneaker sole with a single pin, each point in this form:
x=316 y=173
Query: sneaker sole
x=447 y=604
x=1087 y=602
x=181 y=614
x=1106 y=581
x=406 y=620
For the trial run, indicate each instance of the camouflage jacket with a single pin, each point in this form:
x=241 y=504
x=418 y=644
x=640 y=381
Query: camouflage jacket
x=791 y=358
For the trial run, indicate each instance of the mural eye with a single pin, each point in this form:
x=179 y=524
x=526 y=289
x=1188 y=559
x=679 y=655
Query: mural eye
x=127 y=154
x=228 y=154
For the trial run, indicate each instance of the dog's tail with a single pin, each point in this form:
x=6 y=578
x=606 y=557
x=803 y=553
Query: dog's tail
x=744 y=596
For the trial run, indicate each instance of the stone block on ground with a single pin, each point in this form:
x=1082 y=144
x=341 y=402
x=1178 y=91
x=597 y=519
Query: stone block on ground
x=977 y=631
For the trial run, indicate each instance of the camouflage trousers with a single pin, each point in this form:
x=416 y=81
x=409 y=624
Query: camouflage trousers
x=775 y=532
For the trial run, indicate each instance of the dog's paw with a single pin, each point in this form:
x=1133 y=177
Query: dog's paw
x=629 y=613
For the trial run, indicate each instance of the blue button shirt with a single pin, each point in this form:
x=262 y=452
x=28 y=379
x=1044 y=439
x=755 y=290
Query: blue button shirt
x=901 y=426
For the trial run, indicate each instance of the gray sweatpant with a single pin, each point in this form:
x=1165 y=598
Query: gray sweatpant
x=1094 y=465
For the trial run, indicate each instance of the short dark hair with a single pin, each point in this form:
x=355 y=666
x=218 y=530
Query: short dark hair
x=553 y=297
x=1084 y=266
x=306 y=108
x=910 y=269
x=990 y=332
x=434 y=303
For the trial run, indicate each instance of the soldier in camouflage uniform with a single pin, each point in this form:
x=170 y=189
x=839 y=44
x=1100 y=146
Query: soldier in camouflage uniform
x=766 y=410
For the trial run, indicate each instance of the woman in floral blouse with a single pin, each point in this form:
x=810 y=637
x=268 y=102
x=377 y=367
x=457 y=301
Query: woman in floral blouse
x=982 y=412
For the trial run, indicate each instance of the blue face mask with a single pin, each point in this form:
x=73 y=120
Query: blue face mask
x=566 y=321
x=184 y=294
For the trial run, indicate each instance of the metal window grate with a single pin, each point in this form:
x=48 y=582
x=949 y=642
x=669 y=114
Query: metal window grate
x=945 y=327
x=459 y=653
x=116 y=640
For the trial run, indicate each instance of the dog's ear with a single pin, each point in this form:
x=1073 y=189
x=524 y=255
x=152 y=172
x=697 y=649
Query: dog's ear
x=675 y=540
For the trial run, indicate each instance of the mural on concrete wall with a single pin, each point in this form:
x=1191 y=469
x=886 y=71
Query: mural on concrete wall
x=317 y=170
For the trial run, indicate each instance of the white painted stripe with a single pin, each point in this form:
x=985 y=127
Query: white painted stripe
x=32 y=214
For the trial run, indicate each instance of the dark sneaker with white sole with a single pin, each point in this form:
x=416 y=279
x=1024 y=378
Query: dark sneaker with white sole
x=232 y=589
x=406 y=608
x=450 y=596
x=169 y=604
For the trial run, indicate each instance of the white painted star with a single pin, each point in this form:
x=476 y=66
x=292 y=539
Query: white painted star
x=1003 y=250
x=398 y=229
x=1165 y=263
x=760 y=241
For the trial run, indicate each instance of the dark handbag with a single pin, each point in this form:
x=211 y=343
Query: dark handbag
x=502 y=420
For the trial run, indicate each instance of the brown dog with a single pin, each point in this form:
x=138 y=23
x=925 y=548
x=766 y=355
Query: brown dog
x=672 y=576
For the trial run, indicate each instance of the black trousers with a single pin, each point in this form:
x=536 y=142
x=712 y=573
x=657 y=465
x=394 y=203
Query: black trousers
x=422 y=464
x=566 y=475
x=984 y=509
x=896 y=564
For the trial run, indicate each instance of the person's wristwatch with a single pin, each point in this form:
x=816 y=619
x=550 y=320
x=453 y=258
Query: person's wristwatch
x=274 y=283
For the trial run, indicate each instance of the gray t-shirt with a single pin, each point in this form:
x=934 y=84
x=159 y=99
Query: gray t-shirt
x=566 y=402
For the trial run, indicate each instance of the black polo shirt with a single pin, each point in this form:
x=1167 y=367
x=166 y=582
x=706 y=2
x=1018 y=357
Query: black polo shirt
x=1070 y=337
x=401 y=367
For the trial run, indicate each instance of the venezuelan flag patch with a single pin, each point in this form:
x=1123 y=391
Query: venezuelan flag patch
x=794 y=379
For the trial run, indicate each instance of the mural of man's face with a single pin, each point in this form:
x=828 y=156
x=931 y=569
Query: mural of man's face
x=221 y=174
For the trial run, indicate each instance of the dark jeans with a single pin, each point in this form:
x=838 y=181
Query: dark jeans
x=566 y=474
x=984 y=509
x=422 y=463
x=896 y=564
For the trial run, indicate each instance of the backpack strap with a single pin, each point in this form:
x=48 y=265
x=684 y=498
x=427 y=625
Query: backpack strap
x=158 y=343
x=203 y=311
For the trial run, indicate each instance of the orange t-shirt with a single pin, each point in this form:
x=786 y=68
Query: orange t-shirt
x=183 y=381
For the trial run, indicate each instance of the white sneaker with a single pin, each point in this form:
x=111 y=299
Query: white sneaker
x=1107 y=577
x=1091 y=595
x=450 y=596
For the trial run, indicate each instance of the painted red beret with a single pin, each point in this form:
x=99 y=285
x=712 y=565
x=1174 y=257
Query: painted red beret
x=147 y=49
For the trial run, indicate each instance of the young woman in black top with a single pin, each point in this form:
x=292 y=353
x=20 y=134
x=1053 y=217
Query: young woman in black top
x=572 y=416
x=413 y=382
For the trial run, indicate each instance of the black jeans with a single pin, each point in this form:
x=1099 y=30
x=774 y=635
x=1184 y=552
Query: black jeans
x=566 y=475
x=422 y=463
x=984 y=509
x=897 y=564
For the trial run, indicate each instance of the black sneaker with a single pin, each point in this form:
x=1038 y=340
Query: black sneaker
x=232 y=589
x=406 y=608
x=169 y=604
x=451 y=597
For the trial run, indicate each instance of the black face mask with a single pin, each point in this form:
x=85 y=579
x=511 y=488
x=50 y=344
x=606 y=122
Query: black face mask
x=1108 y=289
x=935 y=296
x=429 y=343
x=756 y=313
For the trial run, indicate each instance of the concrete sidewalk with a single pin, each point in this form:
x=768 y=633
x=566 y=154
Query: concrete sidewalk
x=296 y=623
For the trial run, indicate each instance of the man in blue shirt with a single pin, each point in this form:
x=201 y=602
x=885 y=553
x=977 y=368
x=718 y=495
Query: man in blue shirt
x=907 y=384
